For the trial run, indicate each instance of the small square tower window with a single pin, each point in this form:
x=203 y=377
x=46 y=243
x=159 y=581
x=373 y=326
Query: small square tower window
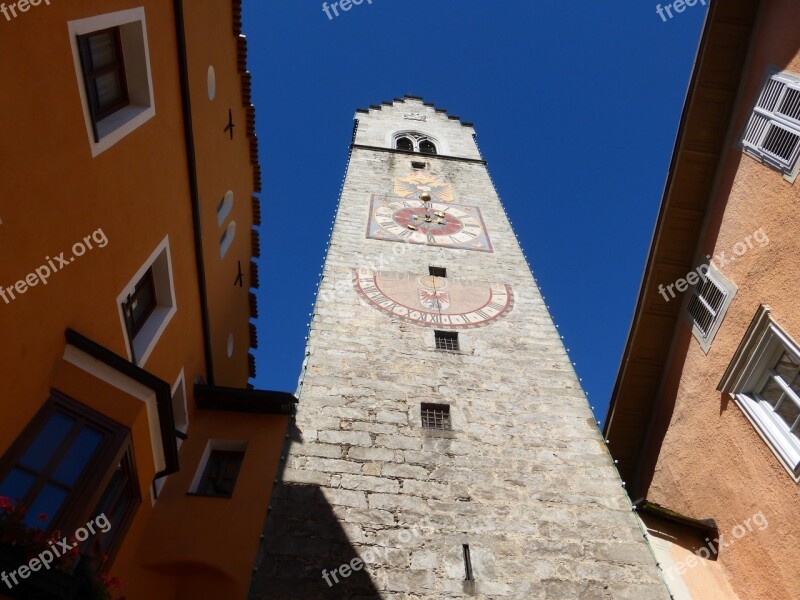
x=446 y=340
x=419 y=165
x=436 y=416
x=437 y=271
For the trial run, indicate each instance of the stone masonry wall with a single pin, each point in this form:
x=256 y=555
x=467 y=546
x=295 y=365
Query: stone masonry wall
x=524 y=477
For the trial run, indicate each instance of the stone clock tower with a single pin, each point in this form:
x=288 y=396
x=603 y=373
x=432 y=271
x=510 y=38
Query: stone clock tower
x=443 y=447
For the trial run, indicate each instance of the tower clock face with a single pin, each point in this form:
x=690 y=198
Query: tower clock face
x=430 y=301
x=433 y=223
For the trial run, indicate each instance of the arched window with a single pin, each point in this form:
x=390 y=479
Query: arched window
x=404 y=143
x=224 y=207
x=227 y=239
x=427 y=147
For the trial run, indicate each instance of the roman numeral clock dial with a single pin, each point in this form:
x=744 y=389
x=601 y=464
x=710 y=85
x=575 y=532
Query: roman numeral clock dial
x=434 y=301
x=418 y=221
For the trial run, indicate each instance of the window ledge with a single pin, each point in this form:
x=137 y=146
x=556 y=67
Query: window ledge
x=122 y=122
x=438 y=433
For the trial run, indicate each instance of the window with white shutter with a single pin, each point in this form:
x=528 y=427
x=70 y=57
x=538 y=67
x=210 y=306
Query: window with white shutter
x=708 y=303
x=772 y=134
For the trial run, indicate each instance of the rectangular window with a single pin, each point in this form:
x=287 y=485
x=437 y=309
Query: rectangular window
x=437 y=271
x=764 y=380
x=419 y=165
x=220 y=473
x=436 y=416
x=446 y=340
x=59 y=462
x=103 y=72
x=111 y=58
x=705 y=304
x=147 y=304
x=708 y=301
x=772 y=134
x=140 y=304
x=468 y=575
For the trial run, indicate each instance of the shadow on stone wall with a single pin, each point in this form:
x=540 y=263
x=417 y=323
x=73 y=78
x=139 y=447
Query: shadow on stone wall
x=303 y=537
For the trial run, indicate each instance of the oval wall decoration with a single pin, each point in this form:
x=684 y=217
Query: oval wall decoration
x=444 y=303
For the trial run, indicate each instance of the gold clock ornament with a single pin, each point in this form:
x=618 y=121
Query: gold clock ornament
x=420 y=182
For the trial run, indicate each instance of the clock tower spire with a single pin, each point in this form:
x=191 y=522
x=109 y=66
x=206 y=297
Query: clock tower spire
x=442 y=446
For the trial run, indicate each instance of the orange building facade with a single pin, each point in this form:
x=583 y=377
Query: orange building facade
x=127 y=226
x=705 y=416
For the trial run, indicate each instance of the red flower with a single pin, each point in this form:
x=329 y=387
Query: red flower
x=74 y=552
x=110 y=583
x=6 y=504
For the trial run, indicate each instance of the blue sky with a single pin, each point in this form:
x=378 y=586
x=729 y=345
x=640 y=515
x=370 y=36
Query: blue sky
x=576 y=106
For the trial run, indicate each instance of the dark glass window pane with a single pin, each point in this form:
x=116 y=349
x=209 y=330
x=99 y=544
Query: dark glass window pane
x=404 y=144
x=47 y=442
x=788 y=411
x=221 y=472
x=78 y=455
x=772 y=392
x=427 y=147
x=143 y=301
x=786 y=367
x=48 y=502
x=16 y=484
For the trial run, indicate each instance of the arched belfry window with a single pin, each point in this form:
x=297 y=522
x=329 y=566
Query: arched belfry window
x=405 y=143
x=427 y=147
x=412 y=141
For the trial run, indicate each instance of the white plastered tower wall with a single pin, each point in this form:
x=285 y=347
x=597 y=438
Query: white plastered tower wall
x=523 y=478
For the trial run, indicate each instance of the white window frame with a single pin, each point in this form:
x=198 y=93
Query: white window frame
x=136 y=56
x=166 y=306
x=750 y=368
x=718 y=279
x=765 y=113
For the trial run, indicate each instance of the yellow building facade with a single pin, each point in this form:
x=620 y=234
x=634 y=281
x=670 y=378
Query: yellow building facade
x=127 y=230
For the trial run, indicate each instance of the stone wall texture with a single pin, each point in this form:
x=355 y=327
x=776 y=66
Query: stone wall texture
x=523 y=478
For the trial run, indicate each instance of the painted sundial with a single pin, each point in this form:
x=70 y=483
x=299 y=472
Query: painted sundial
x=419 y=182
x=440 y=302
x=433 y=223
